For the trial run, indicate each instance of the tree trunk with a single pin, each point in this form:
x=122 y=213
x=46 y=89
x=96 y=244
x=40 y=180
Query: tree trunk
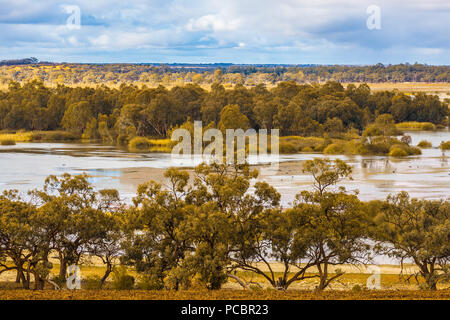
x=39 y=283
x=106 y=275
x=25 y=280
x=62 y=269
x=18 y=277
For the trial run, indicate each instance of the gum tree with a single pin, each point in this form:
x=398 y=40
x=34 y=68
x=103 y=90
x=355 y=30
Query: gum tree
x=418 y=231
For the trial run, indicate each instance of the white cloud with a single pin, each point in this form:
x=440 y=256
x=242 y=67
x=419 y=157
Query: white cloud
x=212 y=22
x=275 y=30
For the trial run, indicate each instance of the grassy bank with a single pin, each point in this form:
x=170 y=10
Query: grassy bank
x=142 y=144
x=377 y=146
x=416 y=126
x=33 y=136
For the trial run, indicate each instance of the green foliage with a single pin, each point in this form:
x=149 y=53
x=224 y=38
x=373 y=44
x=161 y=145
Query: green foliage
x=232 y=118
x=54 y=136
x=295 y=144
x=139 y=144
x=397 y=152
x=7 y=142
x=92 y=283
x=202 y=228
x=77 y=117
x=445 y=145
x=424 y=144
x=149 y=282
x=416 y=126
x=309 y=110
x=122 y=280
x=417 y=230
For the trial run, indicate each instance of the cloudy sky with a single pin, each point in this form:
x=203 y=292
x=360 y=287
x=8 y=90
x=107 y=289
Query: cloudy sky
x=236 y=31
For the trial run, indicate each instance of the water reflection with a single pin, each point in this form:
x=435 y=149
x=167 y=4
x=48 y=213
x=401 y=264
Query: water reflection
x=25 y=166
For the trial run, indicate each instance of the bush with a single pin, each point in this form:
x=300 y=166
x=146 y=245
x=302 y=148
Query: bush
x=416 y=126
x=92 y=283
x=54 y=136
x=122 y=140
x=397 y=151
x=139 y=143
x=295 y=144
x=150 y=282
x=121 y=280
x=445 y=145
x=424 y=144
x=334 y=148
x=357 y=288
x=288 y=147
x=7 y=142
x=379 y=148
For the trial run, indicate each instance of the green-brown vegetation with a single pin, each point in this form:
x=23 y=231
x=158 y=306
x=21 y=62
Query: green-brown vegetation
x=416 y=126
x=424 y=144
x=7 y=142
x=301 y=112
x=207 y=230
x=227 y=74
x=445 y=145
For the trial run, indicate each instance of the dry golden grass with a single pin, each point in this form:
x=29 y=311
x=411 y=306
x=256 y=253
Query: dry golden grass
x=409 y=87
x=17 y=137
x=222 y=295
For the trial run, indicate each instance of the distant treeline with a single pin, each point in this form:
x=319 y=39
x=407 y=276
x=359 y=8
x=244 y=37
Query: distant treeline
x=120 y=114
x=13 y=62
x=206 y=74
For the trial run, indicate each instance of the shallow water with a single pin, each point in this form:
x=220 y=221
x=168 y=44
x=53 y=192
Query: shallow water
x=25 y=166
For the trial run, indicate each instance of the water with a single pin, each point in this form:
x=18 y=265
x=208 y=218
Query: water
x=26 y=165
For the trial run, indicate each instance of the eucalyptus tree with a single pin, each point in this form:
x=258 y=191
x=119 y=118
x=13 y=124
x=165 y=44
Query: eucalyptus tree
x=416 y=231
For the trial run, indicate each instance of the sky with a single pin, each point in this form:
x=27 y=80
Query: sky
x=227 y=31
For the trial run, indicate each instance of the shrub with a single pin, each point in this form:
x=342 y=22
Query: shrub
x=7 y=142
x=379 y=148
x=307 y=149
x=150 y=282
x=288 y=147
x=334 y=148
x=122 y=140
x=294 y=144
x=424 y=144
x=397 y=151
x=54 y=136
x=414 y=151
x=139 y=143
x=92 y=283
x=121 y=280
x=357 y=288
x=416 y=126
x=445 y=145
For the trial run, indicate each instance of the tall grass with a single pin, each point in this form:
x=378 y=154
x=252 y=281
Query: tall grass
x=7 y=142
x=18 y=136
x=29 y=136
x=416 y=126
